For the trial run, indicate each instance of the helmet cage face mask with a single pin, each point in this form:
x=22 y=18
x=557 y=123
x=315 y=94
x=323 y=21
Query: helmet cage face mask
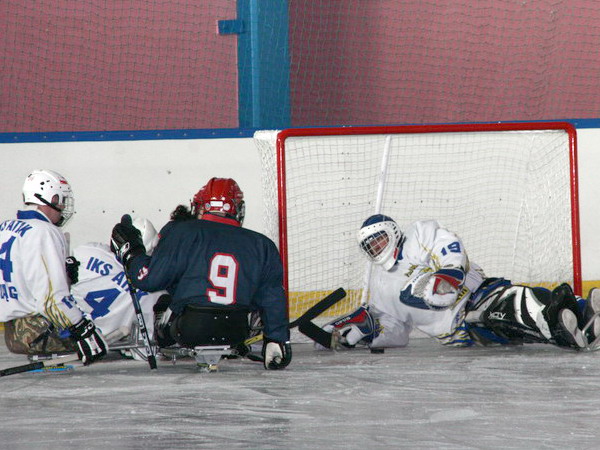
x=66 y=212
x=41 y=187
x=375 y=244
x=379 y=241
x=222 y=196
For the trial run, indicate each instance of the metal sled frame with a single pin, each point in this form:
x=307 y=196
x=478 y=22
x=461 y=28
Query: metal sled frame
x=207 y=356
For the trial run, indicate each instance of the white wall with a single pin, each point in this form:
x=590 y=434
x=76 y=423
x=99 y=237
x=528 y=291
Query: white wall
x=144 y=178
x=149 y=178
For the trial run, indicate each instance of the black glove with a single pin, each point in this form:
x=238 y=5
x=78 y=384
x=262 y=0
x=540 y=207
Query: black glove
x=72 y=266
x=277 y=355
x=91 y=346
x=126 y=241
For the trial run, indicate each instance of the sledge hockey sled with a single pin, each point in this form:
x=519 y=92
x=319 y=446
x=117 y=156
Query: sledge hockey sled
x=207 y=356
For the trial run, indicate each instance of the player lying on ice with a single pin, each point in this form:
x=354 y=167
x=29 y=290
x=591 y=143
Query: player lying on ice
x=216 y=273
x=423 y=279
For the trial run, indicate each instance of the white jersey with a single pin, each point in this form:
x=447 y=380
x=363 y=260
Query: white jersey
x=33 y=278
x=428 y=248
x=103 y=293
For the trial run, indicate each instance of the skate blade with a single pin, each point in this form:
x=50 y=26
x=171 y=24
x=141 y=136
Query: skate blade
x=207 y=368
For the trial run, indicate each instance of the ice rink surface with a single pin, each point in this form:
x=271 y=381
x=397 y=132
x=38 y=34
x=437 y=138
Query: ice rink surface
x=423 y=396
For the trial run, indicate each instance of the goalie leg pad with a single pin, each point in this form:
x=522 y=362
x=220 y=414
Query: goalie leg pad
x=520 y=313
x=357 y=327
x=568 y=323
x=564 y=326
x=591 y=318
x=207 y=325
x=512 y=313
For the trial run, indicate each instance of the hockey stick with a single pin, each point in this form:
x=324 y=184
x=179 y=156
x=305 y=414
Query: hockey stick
x=304 y=322
x=325 y=338
x=68 y=242
x=320 y=307
x=39 y=365
x=142 y=325
x=306 y=318
x=39 y=362
x=315 y=310
x=317 y=334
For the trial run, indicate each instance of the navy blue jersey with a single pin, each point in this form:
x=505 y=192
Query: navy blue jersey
x=215 y=262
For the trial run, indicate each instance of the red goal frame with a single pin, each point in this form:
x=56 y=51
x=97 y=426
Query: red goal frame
x=472 y=127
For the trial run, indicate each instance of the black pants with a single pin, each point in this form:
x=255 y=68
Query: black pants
x=207 y=325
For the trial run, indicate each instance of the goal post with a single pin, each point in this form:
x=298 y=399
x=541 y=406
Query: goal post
x=509 y=190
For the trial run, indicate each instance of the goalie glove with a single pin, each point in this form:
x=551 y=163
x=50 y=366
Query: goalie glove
x=276 y=355
x=358 y=327
x=126 y=241
x=91 y=346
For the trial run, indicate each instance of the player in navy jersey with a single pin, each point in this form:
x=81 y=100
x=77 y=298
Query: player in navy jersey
x=210 y=265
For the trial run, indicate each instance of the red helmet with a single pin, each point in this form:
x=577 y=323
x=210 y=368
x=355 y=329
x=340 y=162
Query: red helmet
x=220 y=195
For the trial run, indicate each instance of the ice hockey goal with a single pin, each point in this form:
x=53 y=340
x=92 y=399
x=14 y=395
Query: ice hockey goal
x=508 y=190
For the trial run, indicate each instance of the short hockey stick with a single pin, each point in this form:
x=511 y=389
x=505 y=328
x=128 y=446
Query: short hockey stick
x=306 y=318
x=325 y=338
x=53 y=360
x=304 y=321
x=315 y=310
x=39 y=365
x=142 y=325
x=320 y=307
x=317 y=334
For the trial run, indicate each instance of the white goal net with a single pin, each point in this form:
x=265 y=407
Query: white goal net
x=508 y=190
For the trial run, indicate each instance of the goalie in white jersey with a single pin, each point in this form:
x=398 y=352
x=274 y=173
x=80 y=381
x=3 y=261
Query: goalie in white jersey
x=36 y=305
x=102 y=291
x=423 y=279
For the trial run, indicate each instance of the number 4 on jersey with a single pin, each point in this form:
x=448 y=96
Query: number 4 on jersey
x=5 y=262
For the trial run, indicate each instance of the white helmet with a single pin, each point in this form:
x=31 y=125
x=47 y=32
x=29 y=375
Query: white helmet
x=148 y=232
x=380 y=239
x=41 y=186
